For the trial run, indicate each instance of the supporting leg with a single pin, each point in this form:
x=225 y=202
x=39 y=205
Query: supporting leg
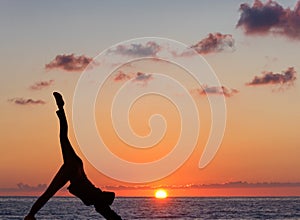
x=60 y=179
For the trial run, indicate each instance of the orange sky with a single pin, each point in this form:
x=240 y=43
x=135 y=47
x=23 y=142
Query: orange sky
x=261 y=141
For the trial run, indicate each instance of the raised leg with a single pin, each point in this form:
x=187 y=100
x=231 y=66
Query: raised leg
x=66 y=147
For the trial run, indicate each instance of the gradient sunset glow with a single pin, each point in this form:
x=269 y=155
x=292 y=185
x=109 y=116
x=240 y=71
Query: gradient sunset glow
x=45 y=48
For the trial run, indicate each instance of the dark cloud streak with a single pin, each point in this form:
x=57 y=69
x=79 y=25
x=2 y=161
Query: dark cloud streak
x=70 y=63
x=42 y=84
x=286 y=78
x=28 y=101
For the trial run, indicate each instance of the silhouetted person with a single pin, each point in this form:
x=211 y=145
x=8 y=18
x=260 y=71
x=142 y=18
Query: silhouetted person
x=72 y=170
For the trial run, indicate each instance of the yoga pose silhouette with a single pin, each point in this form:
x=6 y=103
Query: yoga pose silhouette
x=72 y=170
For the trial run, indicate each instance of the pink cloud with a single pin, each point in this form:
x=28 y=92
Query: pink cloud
x=214 y=43
x=121 y=76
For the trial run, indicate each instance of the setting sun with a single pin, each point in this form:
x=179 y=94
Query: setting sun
x=161 y=194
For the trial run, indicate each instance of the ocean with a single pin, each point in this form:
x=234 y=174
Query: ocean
x=70 y=208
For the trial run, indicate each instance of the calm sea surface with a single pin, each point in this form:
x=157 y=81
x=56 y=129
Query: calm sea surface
x=151 y=208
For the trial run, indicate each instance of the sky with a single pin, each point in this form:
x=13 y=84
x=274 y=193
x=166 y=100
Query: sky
x=252 y=46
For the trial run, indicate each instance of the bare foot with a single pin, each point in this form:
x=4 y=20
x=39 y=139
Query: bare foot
x=29 y=217
x=59 y=100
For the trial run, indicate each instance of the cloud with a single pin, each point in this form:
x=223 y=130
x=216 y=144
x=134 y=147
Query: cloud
x=29 y=101
x=270 y=17
x=216 y=90
x=142 y=77
x=243 y=184
x=21 y=187
x=237 y=184
x=70 y=63
x=286 y=78
x=28 y=188
x=121 y=76
x=214 y=43
x=150 y=49
x=186 y=53
x=137 y=77
x=42 y=84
